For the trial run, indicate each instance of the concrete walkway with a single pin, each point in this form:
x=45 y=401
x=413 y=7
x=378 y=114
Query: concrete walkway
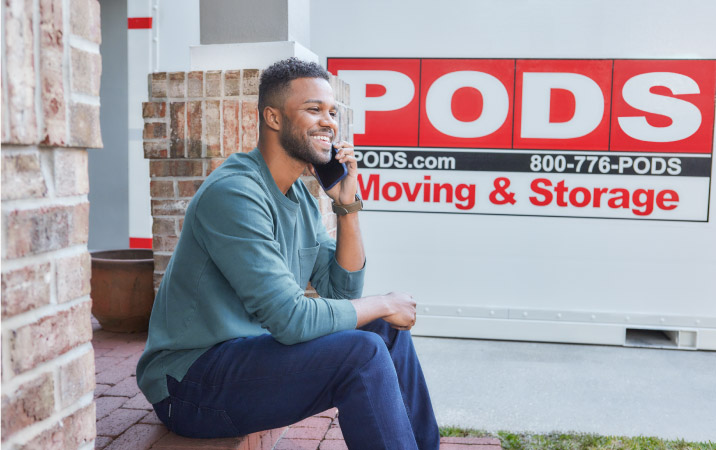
x=522 y=386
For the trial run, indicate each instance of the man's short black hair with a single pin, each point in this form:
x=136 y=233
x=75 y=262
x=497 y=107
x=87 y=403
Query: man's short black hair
x=276 y=78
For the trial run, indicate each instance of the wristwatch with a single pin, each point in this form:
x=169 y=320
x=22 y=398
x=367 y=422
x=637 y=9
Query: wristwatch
x=342 y=210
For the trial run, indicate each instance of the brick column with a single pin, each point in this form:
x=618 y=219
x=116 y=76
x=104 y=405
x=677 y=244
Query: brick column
x=192 y=122
x=50 y=115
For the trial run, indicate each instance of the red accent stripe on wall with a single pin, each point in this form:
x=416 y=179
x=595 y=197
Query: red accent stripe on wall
x=134 y=23
x=140 y=243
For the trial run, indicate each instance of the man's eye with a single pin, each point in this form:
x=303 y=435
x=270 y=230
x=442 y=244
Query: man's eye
x=333 y=113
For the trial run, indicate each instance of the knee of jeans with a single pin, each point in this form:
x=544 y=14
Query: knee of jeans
x=365 y=346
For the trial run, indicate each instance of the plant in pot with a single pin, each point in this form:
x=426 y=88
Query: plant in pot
x=123 y=289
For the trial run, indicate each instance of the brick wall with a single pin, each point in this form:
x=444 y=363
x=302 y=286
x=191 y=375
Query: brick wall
x=50 y=115
x=192 y=122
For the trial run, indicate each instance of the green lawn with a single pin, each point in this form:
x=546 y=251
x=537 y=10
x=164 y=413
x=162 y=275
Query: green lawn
x=560 y=441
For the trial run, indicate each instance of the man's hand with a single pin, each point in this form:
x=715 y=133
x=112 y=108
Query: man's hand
x=396 y=308
x=405 y=314
x=345 y=191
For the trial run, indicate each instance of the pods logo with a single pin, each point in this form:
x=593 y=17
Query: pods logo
x=618 y=105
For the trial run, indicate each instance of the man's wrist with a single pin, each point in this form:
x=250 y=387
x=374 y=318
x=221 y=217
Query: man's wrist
x=386 y=307
x=348 y=208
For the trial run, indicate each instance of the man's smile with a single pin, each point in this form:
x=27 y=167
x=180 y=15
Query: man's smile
x=324 y=139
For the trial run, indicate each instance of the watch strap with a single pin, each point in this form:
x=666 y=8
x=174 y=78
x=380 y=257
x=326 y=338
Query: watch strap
x=342 y=210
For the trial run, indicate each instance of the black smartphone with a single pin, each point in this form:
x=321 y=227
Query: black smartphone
x=332 y=172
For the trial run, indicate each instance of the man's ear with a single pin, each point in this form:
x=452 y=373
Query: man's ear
x=272 y=118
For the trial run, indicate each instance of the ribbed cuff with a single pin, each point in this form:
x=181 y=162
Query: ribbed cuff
x=344 y=315
x=350 y=283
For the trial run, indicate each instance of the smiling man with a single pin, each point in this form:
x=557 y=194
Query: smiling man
x=234 y=344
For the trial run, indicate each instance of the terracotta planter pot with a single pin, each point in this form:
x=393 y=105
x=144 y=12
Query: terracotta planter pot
x=123 y=289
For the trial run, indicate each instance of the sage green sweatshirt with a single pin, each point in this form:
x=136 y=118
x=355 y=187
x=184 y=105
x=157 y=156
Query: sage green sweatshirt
x=244 y=257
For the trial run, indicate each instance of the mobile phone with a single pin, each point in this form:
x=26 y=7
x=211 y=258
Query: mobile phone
x=332 y=172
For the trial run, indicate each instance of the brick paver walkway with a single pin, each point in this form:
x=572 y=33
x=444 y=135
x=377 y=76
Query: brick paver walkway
x=126 y=421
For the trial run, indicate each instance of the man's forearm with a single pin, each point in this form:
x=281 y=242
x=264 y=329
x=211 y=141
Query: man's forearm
x=349 y=243
x=371 y=308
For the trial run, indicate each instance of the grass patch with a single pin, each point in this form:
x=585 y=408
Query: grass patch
x=577 y=441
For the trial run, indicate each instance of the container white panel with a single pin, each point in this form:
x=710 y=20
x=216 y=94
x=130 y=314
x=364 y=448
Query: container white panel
x=658 y=273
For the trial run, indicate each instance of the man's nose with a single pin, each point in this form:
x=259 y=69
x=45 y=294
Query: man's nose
x=329 y=121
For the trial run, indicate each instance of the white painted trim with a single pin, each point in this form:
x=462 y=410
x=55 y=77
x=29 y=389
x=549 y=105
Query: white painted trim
x=628 y=319
x=542 y=331
x=706 y=340
x=253 y=55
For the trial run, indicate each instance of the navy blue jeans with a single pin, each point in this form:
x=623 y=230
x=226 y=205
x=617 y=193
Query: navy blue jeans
x=372 y=375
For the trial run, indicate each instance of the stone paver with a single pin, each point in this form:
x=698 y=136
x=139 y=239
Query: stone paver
x=297 y=444
x=172 y=441
x=114 y=375
x=152 y=419
x=100 y=388
x=468 y=447
x=126 y=421
x=333 y=445
x=306 y=433
x=102 y=441
x=106 y=405
x=138 y=437
x=139 y=401
x=125 y=388
x=118 y=421
x=334 y=433
x=470 y=440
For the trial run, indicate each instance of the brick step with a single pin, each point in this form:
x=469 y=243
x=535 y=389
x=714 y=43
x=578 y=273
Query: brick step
x=264 y=440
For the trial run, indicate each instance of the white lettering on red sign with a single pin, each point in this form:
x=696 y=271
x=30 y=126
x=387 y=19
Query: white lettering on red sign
x=655 y=106
x=685 y=116
x=536 y=105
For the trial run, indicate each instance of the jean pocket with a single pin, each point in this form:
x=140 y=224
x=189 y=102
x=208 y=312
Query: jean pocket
x=306 y=260
x=189 y=420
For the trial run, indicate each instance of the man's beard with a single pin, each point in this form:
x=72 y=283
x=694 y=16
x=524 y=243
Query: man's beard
x=299 y=146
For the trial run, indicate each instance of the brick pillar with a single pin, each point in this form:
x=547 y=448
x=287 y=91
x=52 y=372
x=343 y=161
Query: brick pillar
x=192 y=122
x=50 y=115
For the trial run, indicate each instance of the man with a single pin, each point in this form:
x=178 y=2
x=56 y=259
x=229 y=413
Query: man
x=234 y=346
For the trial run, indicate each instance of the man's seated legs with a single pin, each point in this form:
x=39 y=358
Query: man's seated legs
x=252 y=384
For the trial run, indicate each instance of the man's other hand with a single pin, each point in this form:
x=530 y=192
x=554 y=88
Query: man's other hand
x=396 y=308
x=405 y=314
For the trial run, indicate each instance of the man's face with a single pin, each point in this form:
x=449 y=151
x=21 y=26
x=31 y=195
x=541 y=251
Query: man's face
x=309 y=124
